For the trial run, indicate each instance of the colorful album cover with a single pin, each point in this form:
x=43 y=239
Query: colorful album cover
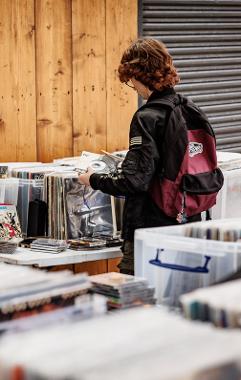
x=9 y=223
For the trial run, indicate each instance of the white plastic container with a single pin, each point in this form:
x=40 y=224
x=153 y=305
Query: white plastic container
x=175 y=264
x=229 y=198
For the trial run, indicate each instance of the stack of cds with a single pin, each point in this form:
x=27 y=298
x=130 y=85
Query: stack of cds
x=122 y=290
x=86 y=243
x=89 y=243
x=49 y=245
x=8 y=246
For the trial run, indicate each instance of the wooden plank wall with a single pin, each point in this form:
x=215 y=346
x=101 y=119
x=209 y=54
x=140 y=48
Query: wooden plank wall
x=17 y=81
x=59 y=92
x=121 y=29
x=89 y=75
x=54 y=78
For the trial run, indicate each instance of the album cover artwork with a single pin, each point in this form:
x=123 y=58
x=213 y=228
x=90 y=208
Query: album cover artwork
x=9 y=223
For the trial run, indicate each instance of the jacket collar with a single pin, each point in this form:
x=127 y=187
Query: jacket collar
x=159 y=94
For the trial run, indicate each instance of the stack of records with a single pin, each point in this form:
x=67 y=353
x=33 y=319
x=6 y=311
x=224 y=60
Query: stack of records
x=76 y=210
x=123 y=291
x=221 y=230
x=219 y=304
x=104 y=163
x=31 y=182
x=142 y=343
x=49 y=245
x=30 y=187
x=9 y=223
x=8 y=246
x=110 y=241
x=7 y=169
x=25 y=292
x=86 y=243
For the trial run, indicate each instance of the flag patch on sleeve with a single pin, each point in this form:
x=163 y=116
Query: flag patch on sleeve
x=136 y=140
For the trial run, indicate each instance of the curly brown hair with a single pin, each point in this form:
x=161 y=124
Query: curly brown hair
x=148 y=61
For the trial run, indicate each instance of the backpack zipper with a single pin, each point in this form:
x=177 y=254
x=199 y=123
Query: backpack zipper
x=182 y=216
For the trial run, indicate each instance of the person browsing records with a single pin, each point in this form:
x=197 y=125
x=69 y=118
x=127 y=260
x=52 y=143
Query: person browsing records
x=147 y=67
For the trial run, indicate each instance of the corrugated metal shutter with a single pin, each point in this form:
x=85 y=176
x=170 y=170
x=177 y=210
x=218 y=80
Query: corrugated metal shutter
x=204 y=37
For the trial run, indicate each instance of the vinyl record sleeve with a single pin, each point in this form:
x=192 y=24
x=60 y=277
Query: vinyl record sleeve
x=9 y=223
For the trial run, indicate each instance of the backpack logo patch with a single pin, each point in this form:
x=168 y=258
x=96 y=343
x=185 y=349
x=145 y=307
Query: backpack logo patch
x=195 y=148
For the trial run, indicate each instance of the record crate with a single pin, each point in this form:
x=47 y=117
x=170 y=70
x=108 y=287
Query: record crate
x=175 y=264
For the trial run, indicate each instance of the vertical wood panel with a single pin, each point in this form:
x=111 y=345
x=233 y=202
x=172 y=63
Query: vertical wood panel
x=89 y=90
x=17 y=84
x=121 y=30
x=54 y=79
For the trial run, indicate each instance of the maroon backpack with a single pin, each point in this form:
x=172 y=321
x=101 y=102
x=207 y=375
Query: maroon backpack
x=189 y=179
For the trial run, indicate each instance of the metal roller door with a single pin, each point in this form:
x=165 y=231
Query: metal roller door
x=204 y=37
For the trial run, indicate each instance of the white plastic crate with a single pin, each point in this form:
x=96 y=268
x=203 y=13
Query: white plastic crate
x=175 y=264
x=229 y=198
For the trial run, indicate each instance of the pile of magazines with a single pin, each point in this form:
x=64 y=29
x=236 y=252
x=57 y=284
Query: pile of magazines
x=122 y=290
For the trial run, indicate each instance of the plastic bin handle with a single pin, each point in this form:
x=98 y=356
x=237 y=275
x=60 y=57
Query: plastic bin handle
x=182 y=268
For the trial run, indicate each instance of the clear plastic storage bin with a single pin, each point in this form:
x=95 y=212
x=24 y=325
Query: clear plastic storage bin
x=9 y=190
x=175 y=264
x=2 y=190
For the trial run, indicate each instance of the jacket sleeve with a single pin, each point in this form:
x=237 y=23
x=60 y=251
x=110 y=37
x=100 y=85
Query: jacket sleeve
x=140 y=163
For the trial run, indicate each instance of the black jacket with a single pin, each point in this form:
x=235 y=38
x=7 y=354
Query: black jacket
x=142 y=161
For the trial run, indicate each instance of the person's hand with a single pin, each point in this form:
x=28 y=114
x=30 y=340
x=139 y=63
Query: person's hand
x=85 y=177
